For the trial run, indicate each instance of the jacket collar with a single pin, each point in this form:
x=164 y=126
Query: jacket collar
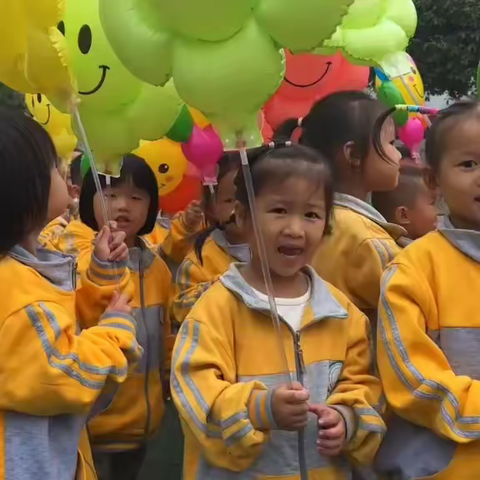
x=238 y=252
x=467 y=241
x=57 y=268
x=404 y=242
x=322 y=303
x=164 y=222
x=365 y=209
x=141 y=253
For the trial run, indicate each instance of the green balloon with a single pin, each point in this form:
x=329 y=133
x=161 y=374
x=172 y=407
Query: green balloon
x=301 y=25
x=84 y=165
x=390 y=96
x=182 y=129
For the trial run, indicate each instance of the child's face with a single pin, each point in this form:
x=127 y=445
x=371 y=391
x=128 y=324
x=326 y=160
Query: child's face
x=458 y=176
x=422 y=217
x=292 y=220
x=128 y=206
x=380 y=175
x=59 y=201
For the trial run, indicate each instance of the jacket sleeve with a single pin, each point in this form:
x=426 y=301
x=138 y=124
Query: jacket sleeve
x=178 y=242
x=419 y=382
x=77 y=240
x=358 y=393
x=98 y=283
x=367 y=265
x=46 y=369
x=230 y=420
x=190 y=284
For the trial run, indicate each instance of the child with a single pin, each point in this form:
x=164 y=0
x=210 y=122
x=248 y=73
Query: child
x=239 y=421
x=119 y=434
x=411 y=205
x=50 y=377
x=428 y=328
x=216 y=247
x=362 y=244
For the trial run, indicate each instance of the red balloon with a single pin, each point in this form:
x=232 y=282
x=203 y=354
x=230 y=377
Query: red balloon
x=309 y=78
x=189 y=189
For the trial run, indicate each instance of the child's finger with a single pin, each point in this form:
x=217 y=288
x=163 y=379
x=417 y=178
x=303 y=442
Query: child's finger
x=330 y=444
x=119 y=252
x=102 y=234
x=328 y=452
x=113 y=300
x=117 y=239
x=331 y=433
x=329 y=418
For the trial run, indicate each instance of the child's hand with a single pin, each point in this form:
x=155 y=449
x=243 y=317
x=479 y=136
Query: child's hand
x=119 y=304
x=290 y=407
x=331 y=430
x=193 y=216
x=110 y=245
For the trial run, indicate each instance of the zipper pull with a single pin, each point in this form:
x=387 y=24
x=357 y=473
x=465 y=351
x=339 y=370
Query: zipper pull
x=299 y=351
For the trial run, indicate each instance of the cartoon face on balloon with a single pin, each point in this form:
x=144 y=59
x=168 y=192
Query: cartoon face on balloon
x=411 y=85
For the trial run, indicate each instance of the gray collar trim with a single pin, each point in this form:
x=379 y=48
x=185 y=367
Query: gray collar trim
x=322 y=302
x=365 y=209
x=467 y=241
x=238 y=252
x=141 y=253
x=57 y=268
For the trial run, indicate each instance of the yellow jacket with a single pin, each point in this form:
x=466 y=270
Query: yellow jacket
x=193 y=278
x=136 y=411
x=354 y=256
x=51 y=234
x=226 y=364
x=50 y=376
x=428 y=347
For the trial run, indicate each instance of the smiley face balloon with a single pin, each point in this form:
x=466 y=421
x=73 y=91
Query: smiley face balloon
x=117 y=109
x=56 y=123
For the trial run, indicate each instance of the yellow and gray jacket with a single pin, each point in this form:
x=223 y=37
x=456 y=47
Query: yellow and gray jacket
x=50 y=376
x=428 y=344
x=194 y=277
x=226 y=365
x=137 y=409
x=51 y=234
x=355 y=255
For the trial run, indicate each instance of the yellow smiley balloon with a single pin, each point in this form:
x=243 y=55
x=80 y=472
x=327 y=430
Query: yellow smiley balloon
x=410 y=85
x=56 y=123
x=167 y=161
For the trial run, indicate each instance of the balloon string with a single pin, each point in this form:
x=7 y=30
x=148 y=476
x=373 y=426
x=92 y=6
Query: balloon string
x=412 y=95
x=264 y=263
x=93 y=166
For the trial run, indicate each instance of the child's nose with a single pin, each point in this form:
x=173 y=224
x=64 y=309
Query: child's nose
x=295 y=227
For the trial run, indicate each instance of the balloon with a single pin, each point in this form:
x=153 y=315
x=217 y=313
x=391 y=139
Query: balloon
x=309 y=78
x=225 y=57
x=412 y=134
x=204 y=150
x=30 y=59
x=56 y=123
x=189 y=189
x=199 y=118
x=117 y=109
x=390 y=96
x=167 y=161
x=374 y=29
x=183 y=126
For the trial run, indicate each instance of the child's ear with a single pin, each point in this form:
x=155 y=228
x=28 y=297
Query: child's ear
x=240 y=215
x=401 y=216
x=351 y=155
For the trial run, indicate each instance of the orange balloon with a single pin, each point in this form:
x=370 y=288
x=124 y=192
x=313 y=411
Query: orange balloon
x=189 y=189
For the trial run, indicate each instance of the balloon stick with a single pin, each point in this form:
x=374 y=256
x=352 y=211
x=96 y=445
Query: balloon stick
x=264 y=262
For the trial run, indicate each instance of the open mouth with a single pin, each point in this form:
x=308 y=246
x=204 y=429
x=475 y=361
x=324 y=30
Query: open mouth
x=290 y=251
x=122 y=220
x=100 y=84
x=48 y=116
x=329 y=64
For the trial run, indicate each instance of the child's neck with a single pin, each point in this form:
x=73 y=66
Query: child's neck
x=283 y=287
x=30 y=243
x=354 y=190
x=131 y=242
x=464 y=224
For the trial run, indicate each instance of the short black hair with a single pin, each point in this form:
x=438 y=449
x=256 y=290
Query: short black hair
x=134 y=169
x=334 y=121
x=76 y=171
x=410 y=183
x=279 y=164
x=27 y=157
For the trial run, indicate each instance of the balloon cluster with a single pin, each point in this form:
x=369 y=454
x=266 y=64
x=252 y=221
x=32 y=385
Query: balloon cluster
x=405 y=89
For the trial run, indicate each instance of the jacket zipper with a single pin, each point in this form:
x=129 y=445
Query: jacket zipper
x=300 y=367
x=147 y=343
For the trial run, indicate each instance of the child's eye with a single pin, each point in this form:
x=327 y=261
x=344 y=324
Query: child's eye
x=313 y=216
x=468 y=164
x=278 y=211
x=136 y=197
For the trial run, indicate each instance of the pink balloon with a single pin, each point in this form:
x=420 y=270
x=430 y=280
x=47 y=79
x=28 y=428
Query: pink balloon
x=309 y=78
x=203 y=150
x=411 y=134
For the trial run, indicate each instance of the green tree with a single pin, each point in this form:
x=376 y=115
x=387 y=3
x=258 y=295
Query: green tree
x=11 y=98
x=446 y=46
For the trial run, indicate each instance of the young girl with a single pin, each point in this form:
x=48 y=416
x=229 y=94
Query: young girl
x=50 y=377
x=119 y=433
x=216 y=247
x=239 y=421
x=428 y=332
x=362 y=244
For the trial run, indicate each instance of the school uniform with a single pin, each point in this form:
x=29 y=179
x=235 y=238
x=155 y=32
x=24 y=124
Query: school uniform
x=355 y=255
x=50 y=376
x=226 y=364
x=194 y=277
x=428 y=344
